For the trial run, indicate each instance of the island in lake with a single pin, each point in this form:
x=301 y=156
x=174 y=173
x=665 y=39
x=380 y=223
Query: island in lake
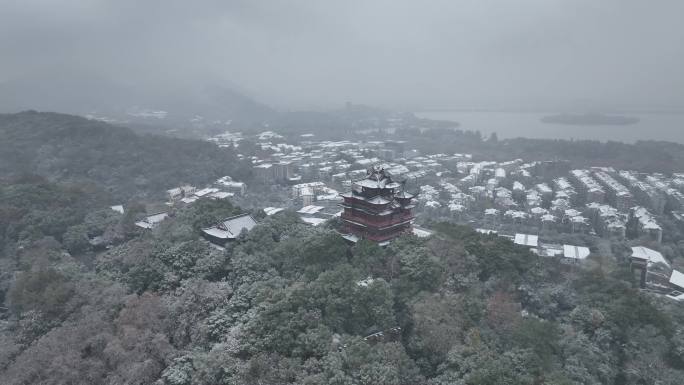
x=590 y=119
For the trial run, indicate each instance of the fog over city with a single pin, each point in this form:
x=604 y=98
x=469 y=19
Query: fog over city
x=532 y=54
x=300 y=192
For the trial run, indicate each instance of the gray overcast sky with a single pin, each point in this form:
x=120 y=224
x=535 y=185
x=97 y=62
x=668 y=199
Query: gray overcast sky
x=295 y=54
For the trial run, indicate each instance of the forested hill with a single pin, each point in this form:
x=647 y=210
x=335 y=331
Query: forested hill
x=67 y=148
x=292 y=304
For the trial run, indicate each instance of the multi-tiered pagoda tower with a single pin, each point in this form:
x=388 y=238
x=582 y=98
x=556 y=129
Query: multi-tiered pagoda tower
x=376 y=208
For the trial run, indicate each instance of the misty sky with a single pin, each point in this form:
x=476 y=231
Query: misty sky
x=302 y=54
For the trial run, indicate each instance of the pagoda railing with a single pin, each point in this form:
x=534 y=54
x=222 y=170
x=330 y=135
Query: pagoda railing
x=355 y=202
x=380 y=237
x=373 y=221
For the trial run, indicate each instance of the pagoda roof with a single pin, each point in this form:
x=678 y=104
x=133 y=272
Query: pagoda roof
x=377 y=183
x=403 y=195
x=376 y=178
x=376 y=200
x=357 y=208
x=354 y=222
x=396 y=224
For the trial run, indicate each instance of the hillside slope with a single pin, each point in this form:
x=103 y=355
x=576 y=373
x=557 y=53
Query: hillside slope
x=68 y=148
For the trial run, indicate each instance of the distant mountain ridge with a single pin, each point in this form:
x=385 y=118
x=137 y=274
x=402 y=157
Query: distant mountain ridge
x=84 y=95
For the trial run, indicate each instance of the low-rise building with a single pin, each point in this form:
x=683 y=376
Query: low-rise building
x=152 y=221
x=229 y=229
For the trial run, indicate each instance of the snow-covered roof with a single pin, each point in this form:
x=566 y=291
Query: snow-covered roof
x=189 y=199
x=350 y=237
x=575 y=252
x=548 y=218
x=379 y=184
x=378 y=200
x=648 y=255
x=398 y=170
x=328 y=197
x=310 y=209
x=456 y=207
x=313 y=220
x=231 y=227
x=515 y=214
x=151 y=221
x=677 y=279
x=206 y=191
x=272 y=210
x=238 y=223
x=221 y=195
x=218 y=233
x=421 y=233
x=306 y=191
x=518 y=186
x=230 y=183
x=578 y=219
x=572 y=213
x=404 y=195
x=526 y=240
x=678 y=297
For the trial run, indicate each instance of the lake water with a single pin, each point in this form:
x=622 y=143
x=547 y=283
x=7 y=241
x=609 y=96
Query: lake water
x=652 y=126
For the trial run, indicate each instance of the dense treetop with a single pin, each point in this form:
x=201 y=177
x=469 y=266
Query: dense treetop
x=89 y=298
x=288 y=303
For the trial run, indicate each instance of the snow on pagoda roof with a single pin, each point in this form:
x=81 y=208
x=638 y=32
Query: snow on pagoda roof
x=382 y=183
x=377 y=178
x=378 y=200
x=403 y=195
x=350 y=237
